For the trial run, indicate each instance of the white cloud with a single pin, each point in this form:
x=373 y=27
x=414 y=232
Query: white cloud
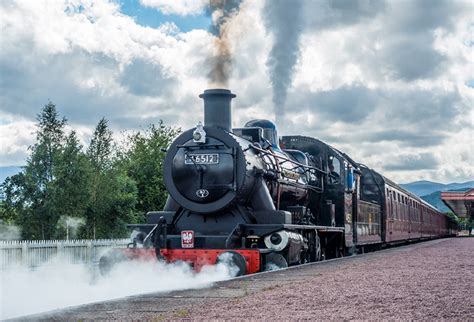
x=16 y=135
x=352 y=87
x=92 y=56
x=177 y=7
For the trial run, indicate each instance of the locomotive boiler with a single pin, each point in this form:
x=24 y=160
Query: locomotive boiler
x=262 y=202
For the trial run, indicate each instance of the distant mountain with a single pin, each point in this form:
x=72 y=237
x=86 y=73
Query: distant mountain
x=7 y=172
x=431 y=191
x=424 y=188
x=434 y=199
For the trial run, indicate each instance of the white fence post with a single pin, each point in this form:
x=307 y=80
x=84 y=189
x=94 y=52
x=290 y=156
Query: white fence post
x=41 y=252
x=59 y=249
x=89 y=252
x=24 y=254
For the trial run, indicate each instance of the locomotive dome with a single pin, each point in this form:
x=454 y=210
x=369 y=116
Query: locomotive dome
x=270 y=132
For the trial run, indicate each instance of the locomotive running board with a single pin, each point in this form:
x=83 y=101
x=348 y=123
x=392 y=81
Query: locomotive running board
x=234 y=239
x=275 y=227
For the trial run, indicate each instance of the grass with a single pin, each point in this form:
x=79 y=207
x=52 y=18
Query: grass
x=271 y=287
x=183 y=313
x=176 y=314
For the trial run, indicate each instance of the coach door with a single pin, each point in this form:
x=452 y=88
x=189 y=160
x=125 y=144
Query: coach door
x=390 y=216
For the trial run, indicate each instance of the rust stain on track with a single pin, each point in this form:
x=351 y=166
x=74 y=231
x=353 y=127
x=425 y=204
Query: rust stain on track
x=427 y=280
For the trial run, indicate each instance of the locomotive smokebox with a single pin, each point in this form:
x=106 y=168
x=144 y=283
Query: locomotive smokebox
x=217 y=108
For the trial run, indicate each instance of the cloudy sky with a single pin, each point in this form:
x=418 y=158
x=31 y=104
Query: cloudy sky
x=389 y=82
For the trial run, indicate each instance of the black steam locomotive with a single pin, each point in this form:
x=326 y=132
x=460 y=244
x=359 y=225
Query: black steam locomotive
x=265 y=202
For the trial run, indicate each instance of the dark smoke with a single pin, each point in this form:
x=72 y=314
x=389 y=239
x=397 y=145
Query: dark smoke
x=221 y=11
x=283 y=20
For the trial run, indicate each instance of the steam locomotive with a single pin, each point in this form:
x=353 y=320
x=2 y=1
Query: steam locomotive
x=244 y=194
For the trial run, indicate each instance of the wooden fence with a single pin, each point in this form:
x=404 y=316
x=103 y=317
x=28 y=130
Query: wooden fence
x=34 y=253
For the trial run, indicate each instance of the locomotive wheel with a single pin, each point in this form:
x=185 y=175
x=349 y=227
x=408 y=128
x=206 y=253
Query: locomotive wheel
x=234 y=259
x=274 y=261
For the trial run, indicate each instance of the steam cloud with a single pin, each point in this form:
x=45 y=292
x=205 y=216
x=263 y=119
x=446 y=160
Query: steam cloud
x=9 y=232
x=221 y=12
x=71 y=225
x=284 y=21
x=24 y=291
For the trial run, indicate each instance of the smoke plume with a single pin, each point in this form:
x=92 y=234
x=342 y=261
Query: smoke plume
x=220 y=62
x=283 y=20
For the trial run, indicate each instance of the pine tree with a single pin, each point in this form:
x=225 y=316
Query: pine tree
x=101 y=147
x=72 y=181
x=99 y=154
x=30 y=195
x=113 y=195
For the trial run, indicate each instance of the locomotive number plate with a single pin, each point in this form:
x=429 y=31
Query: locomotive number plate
x=187 y=239
x=202 y=158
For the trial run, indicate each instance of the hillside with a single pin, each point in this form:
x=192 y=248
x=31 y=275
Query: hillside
x=424 y=188
x=434 y=199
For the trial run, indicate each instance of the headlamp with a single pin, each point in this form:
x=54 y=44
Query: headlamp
x=199 y=135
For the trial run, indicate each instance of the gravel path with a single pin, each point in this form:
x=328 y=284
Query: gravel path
x=432 y=280
x=428 y=282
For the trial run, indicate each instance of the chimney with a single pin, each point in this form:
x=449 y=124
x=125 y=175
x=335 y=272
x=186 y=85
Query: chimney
x=217 y=108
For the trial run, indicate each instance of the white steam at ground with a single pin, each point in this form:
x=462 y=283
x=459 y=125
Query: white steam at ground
x=59 y=285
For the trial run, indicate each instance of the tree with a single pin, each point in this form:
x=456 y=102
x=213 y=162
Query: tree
x=29 y=195
x=121 y=210
x=113 y=195
x=100 y=187
x=54 y=183
x=451 y=215
x=40 y=168
x=101 y=147
x=16 y=210
x=99 y=154
x=72 y=182
x=143 y=162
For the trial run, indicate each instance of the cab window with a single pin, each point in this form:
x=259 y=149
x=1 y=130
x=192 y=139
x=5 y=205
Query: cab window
x=334 y=169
